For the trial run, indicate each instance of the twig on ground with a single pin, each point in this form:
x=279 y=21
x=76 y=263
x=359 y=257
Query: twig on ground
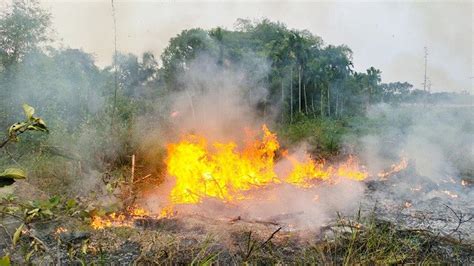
x=141 y=179
x=461 y=220
x=270 y=238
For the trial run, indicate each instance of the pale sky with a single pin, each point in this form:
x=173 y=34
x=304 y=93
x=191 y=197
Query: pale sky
x=387 y=35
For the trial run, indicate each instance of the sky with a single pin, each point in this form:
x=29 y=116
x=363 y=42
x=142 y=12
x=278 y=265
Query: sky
x=390 y=36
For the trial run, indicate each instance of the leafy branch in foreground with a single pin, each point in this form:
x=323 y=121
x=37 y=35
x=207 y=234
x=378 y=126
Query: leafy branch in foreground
x=31 y=123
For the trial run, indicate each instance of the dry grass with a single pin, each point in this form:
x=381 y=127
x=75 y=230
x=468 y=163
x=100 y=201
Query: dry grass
x=203 y=241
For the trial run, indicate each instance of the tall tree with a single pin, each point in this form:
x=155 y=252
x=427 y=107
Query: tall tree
x=373 y=80
x=23 y=27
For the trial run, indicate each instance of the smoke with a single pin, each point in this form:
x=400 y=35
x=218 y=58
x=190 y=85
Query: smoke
x=435 y=139
x=219 y=101
x=222 y=101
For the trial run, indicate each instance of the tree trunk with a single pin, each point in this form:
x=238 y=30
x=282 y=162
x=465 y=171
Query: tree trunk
x=321 y=102
x=305 y=99
x=299 y=88
x=329 y=101
x=282 y=100
x=312 y=105
x=291 y=95
x=342 y=106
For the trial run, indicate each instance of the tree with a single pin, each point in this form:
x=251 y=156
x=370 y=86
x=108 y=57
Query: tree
x=23 y=27
x=182 y=49
x=373 y=80
x=395 y=92
x=300 y=62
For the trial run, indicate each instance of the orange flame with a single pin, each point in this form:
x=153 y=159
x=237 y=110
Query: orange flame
x=395 y=168
x=118 y=220
x=222 y=171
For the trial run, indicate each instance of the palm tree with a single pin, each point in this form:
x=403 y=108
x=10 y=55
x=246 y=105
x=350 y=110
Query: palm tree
x=373 y=79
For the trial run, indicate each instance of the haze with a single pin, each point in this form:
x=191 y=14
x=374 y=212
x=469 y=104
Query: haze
x=390 y=35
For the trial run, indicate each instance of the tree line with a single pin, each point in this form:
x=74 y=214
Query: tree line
x=306 y=77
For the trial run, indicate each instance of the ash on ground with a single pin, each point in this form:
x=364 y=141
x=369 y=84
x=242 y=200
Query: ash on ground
x=414 y=202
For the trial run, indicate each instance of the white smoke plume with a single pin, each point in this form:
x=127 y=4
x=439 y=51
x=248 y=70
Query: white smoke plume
x=220 y=102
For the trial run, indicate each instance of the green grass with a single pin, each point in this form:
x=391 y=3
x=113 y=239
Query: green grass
x=324 y=136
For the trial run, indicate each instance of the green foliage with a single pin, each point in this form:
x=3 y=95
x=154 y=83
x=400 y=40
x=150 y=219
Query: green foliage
x=32 y=123
x=42 y=208
x=324 y=135
x=23 y=26
x=315 y=79
x=5 y=261
x=17 y=234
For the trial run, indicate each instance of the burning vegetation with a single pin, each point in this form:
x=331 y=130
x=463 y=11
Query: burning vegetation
x=259 y=144
x=199 y=171
x=222 y=171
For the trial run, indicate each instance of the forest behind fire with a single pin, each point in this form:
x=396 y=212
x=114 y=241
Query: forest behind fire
x=259 y=144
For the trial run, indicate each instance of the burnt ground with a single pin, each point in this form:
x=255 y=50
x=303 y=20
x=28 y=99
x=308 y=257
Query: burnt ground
x=444 y=208
x=401 y=220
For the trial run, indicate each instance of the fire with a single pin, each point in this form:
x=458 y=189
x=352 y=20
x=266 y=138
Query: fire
x=449 y=193
x=351 y=170
x=139 y=212
x=110 y=220
x=222 y=171
x=118 y=220
x=60 y=230
x=304 y=173
x=219 y=171
x=200 y=169
x=395 y=168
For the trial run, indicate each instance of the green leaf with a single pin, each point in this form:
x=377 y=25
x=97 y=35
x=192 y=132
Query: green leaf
x=41 y=124
x=71 y=203
x=109 y=188
x=29 y=111
x=13 y=173
x=17 y=234
x=34 y=211
x=28 y=256
x=47 y=212
x=38 y=125
x=13 y=129
x=5 y=261
x=53 y=201
x=9 y=175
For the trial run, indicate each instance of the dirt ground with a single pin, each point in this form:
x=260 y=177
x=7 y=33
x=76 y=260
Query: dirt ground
x=398 y=222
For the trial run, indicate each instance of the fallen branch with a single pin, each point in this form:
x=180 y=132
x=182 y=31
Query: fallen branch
x=141 y=179
x=37 y=239
x=270 y=238
x=239 y=218
x=285 y=216
x=461 y=220
x=251 y=246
